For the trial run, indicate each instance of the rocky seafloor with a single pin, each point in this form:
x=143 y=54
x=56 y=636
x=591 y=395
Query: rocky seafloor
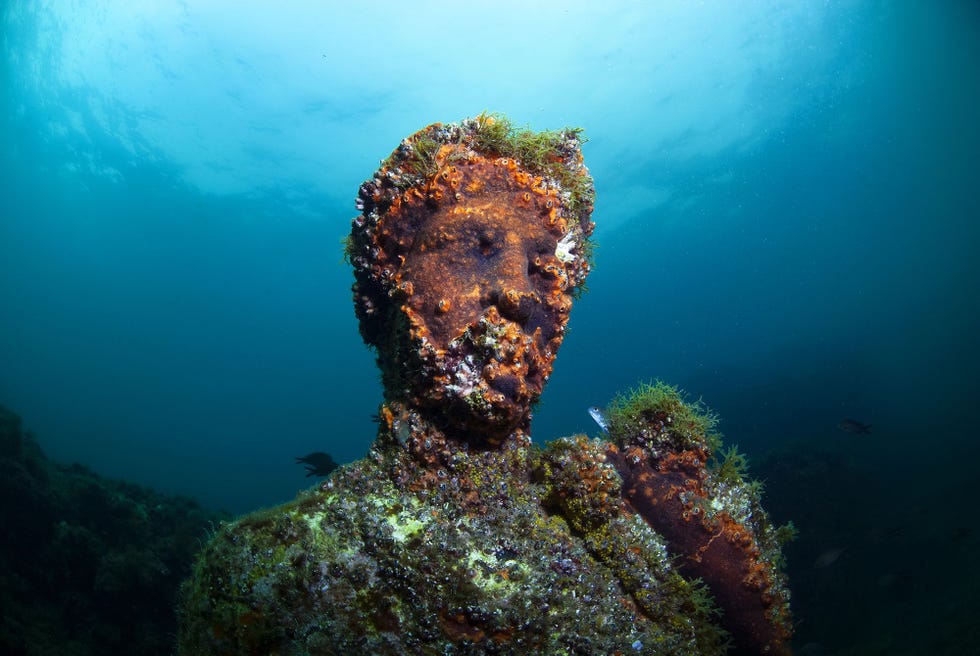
x=88 y=565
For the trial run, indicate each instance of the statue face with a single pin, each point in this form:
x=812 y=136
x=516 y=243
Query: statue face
x=464 y=279
x=464 y=262
x=489 y=303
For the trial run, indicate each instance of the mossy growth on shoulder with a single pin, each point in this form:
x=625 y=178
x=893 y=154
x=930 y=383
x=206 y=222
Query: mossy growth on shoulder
x=730 y=468
x=787 y=533
x=730 y=465
x=657 y=415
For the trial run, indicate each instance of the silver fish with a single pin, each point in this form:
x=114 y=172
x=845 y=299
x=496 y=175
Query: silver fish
x=596 y=413
x=829 y=557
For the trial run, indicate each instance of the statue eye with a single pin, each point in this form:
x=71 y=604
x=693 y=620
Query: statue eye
x=487 y=244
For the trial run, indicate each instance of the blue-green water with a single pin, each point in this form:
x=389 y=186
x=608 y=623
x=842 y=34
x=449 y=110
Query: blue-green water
x=788 y=221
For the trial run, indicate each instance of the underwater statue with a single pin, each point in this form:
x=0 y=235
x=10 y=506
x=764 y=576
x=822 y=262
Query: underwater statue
x=457 y=535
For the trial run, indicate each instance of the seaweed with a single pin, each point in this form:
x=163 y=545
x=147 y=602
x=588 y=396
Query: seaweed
x=660 y=412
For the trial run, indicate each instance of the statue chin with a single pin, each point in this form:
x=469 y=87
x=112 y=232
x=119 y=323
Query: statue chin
x=481 y=385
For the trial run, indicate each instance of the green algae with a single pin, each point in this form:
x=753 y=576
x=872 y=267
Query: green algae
x=549 y=153
x=660 y=414
x=730 y=465
x=542 y=153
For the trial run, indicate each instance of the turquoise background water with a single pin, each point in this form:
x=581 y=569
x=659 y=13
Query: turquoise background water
x=787 y=221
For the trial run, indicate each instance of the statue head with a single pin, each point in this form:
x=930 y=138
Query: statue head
x=471 y=244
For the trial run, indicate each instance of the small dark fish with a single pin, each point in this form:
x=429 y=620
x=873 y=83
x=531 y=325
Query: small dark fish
x=854 y=426
x=828 y=558
x=961 y=533
x=879 y=533
x=895 y=531
x=597 y=415
x=895 y=580
x=317 y=463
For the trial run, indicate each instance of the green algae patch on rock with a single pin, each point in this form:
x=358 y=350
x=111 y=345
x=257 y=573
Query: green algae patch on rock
x=657 y=417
